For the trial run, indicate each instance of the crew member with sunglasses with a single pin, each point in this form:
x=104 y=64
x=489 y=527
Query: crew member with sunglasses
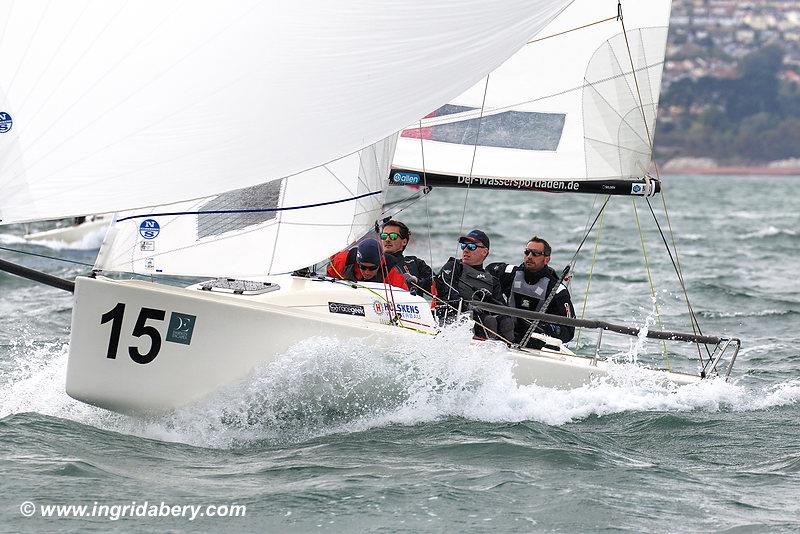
x=394 y=237
x=527 y=286
x=365 y=263
x=466 y=279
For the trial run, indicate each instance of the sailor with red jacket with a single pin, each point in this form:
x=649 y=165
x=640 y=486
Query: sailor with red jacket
x=365 y=263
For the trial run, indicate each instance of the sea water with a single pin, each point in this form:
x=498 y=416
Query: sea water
x=437 y=436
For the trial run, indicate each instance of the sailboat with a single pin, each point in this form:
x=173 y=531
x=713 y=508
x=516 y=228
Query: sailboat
x=72 y=231
x=243 y=143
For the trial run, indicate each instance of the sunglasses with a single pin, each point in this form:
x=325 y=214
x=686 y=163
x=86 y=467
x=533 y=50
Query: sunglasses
x=391 y=236
x=534 y=252
x=365 y=267
x=471 y=246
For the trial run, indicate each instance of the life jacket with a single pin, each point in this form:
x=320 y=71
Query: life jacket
x=529 y=296
x=473 y=279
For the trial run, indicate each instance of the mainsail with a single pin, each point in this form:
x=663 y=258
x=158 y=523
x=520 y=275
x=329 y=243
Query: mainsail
x=573 y=111
x=269 y=228
x=112 y=105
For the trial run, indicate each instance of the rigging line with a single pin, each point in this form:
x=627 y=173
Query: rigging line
x=336 y=177
x=589 y=281
x=450 y=306
x=585 y=229
x=402 y=201
x=474 y=152
x=692 y=317
x=427 y=200
x=580 y=245
x=378 y=295
x=469 y=184
x=635 y=79
x=552 y=292
x=572 y=30
x=466 y=115
x=47 y=257
x=283 y=188
x=650 y=280
x=258 y=210
x=411 y=201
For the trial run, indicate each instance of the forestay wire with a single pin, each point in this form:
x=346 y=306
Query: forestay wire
x=692 y=318
x=469 y=182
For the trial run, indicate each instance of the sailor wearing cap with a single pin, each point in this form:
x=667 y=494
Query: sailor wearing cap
x=465 y=279
x=366 y=263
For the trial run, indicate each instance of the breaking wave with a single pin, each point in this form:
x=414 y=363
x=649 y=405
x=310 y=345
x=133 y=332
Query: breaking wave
x=770 y=231
x=759 y=313
x=324 y=385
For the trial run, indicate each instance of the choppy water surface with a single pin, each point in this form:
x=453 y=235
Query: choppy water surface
x=436 y=436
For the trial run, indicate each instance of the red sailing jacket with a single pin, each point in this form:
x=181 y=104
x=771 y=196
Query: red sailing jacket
x=344 y=267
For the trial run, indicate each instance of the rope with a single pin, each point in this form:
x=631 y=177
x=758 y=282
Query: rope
x=567 y=269
x=397 y=321
x=47 y=257
x=589 y=281
x=650 y=280
x=427 y=188
x=635 y=79
x=573 y=29
x=469 y=183
x=692 y=318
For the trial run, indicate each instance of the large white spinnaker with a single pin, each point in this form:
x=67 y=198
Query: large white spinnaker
x=576 y=104
x=270 y=228
x=107 y=105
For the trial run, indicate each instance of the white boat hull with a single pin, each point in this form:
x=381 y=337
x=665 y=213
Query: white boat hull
x=190 y=342
x=71 y=234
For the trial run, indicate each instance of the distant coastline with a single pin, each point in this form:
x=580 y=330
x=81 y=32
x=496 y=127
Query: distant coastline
x=687 y=165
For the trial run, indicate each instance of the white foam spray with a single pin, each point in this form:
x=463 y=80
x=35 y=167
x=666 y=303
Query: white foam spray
x=326 y=385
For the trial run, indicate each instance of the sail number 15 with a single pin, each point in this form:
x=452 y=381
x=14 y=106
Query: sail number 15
x=179 y=331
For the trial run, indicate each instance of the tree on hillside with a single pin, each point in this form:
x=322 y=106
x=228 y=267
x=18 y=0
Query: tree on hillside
x=753 y=117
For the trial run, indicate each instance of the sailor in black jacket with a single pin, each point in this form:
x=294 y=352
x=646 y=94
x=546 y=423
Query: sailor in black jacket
x=466 y=279
x=394 y=237
x=528 y=285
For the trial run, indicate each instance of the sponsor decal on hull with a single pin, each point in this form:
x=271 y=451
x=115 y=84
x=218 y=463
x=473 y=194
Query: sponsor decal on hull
x=403 y=311
x=180 y=328
x=346 y=309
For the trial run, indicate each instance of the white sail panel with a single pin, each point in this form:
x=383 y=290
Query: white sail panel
x=565 y=107
x=270 y=228
x=116 y=105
